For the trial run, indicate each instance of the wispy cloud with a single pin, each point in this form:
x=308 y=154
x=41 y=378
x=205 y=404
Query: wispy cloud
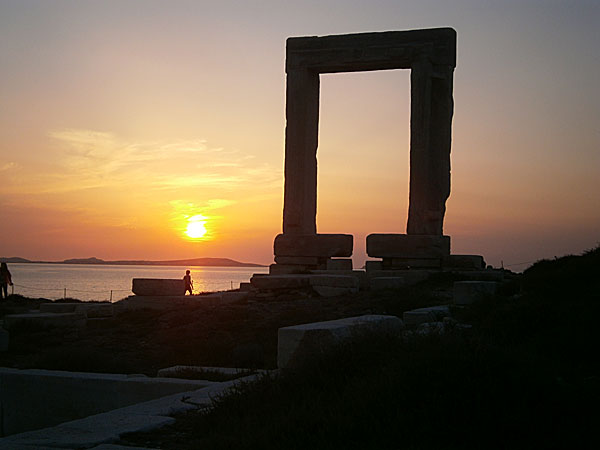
x=101 y=159
x=7 y=166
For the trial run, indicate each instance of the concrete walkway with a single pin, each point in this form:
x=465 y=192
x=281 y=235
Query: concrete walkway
x=93 y=431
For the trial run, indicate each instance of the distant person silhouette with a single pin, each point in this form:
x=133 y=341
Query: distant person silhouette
x=5 y=279
x=189 y=285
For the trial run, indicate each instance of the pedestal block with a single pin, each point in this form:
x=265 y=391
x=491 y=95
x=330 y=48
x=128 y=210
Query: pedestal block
x=408 y=246
x=319 y=245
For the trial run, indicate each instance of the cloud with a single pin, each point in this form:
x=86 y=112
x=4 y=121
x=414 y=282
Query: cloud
x=99 y=159
x=8 y=166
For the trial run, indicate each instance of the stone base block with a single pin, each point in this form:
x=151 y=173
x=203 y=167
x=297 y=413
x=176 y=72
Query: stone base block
x=425 y=315
x=467 y=292
x=409 y=263
x=475 y=262
x=280 y=281
x=339 y=264
x=75 y=320
x=324 y=284
x=407 y=246
x=245 y=287
x=285 y=269
x=301 y=341
x=4 y=339
x=411 y=277
x=157 y=286
x=387 y=283
x=316 y=245
x=360 y=275
x=329 y=291
x=300 y=260
x=373 y=265
x=346 y=281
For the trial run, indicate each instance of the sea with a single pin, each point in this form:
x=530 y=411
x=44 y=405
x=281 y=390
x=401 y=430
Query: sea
x=94 y=282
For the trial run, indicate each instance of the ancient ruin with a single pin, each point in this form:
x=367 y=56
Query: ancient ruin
x=430 y=54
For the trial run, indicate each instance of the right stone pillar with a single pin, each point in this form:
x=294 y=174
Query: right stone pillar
x=430 y=141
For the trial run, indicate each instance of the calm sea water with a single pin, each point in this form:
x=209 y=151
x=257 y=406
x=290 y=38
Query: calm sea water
x=95 y=282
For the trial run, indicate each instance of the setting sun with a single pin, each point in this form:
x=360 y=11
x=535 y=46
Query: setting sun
x=196 y=227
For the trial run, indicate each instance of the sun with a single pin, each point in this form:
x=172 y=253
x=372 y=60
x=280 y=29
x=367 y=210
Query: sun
x=196 y=227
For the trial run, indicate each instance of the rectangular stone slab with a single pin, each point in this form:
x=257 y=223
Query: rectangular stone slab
x=405 y=263
x=157 y=286
x=407 y=246
x=300 y=341
x=320 y=245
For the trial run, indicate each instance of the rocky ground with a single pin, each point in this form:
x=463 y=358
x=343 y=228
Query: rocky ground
x=240 y=334
x=525 y=375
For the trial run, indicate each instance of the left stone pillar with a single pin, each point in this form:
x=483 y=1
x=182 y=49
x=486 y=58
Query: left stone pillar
x=301 y=141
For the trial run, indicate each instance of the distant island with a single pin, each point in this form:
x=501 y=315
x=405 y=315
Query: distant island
x=218 y=262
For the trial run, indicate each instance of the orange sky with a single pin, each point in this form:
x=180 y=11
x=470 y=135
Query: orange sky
x=120 y=121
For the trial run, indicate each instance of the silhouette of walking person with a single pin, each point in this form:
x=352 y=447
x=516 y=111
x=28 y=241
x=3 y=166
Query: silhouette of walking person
x=189 y=285
x=5 y=280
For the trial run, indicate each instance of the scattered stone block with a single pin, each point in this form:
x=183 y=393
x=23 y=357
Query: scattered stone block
x=300 y=341
x=475 y=262
x=319 y=245
x=95 y=310
x=387 y=283
x=232 y=297
x=75 y=320
x=425 y=315
x=4 y=340
x=407 y=246
x=480 y=275
x=339 y=264
x=468 y=292
x=58 y=307
x=174 y=371
x=157 y=286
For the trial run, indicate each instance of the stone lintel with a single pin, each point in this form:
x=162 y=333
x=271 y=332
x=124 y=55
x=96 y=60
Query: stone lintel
x=371 y=51
x=319 y=245
x=407 y=246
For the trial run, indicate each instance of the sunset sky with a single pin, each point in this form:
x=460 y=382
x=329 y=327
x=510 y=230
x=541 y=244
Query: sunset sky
x=122 y=122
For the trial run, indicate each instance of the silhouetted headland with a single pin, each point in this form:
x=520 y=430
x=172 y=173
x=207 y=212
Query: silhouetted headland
x=214 y=262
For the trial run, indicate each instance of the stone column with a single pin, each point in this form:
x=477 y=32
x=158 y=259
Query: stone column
x=430 y=129
x=301 y=140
